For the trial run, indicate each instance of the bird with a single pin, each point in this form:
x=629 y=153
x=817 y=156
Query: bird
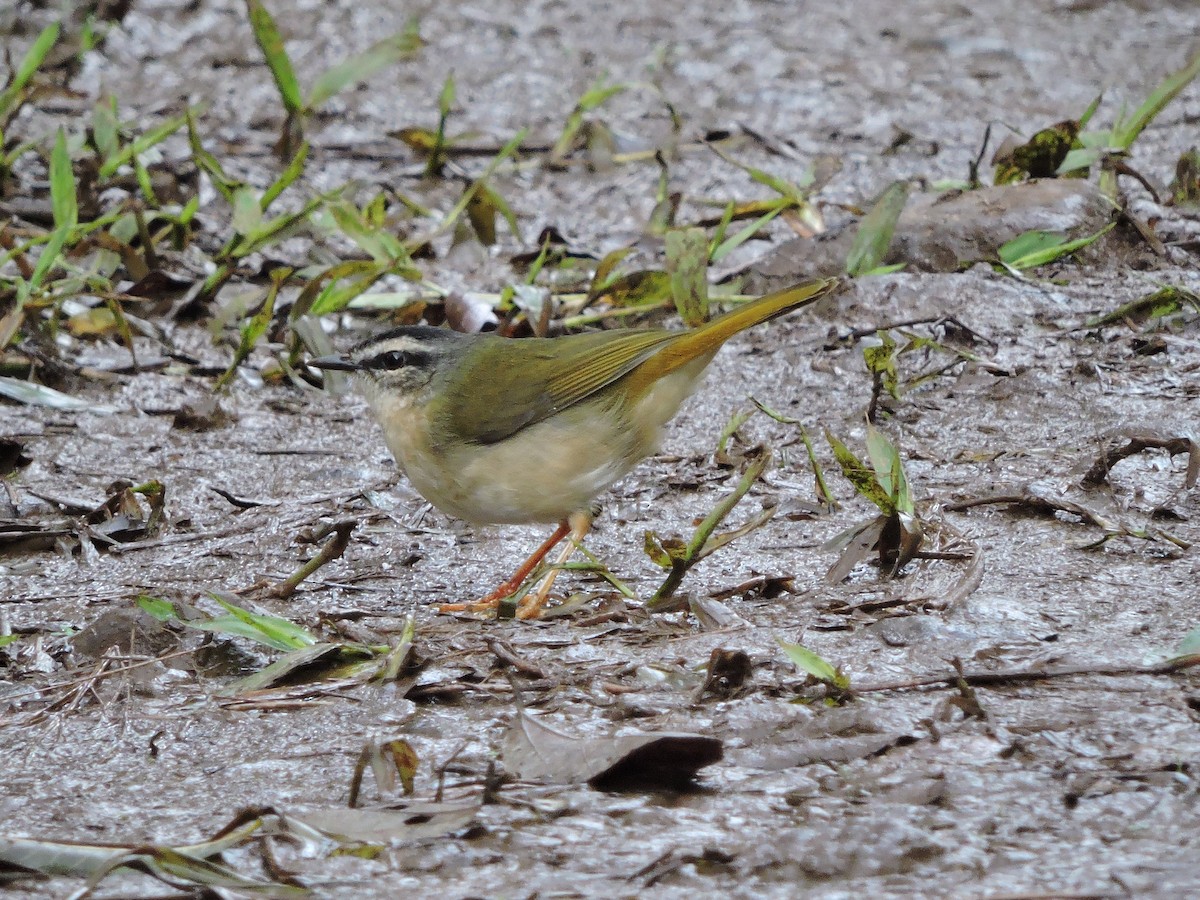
x=496 y=430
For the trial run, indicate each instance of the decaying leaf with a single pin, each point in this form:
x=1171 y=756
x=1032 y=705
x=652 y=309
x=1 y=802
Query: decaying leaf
x=687 y=266
x=1039 y=157
x=534 y=751
x=412 y=820
x=40 y=395
x=896 y=534
x=1158 y=304
x=189 y=864
x=1185 y=189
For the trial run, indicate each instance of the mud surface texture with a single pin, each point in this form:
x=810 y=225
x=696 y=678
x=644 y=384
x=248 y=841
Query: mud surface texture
x=116 y=727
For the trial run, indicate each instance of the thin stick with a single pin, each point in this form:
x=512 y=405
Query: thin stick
x=331 y=551
x=1169 y=667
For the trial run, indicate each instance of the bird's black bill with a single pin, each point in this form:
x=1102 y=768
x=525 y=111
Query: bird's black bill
x=334 y=363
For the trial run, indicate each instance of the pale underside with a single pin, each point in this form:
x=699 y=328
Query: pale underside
x=567 y=459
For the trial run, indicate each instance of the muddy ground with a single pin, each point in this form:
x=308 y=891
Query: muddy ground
x=1081 y=786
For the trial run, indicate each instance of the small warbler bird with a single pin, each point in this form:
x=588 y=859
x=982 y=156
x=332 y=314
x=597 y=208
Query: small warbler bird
x=501 y=431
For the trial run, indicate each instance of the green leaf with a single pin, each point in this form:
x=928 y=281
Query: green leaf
x=29 y=64
x=683 y=556
x=606 y=273
x=807 y=661
x=379 y=243
x=598 y=94
x=1090 y=111
x=359 y=68
x=48 y=257
x=62 y=185
x=687 y=267
x=437 y=148
x=336 y=296
x=247 y=210
x=270 y=41
x=1190 y=645
x=400 y=655
x=1030 y=242
x=271 y=631
x=874 y=236
x=318 y=662
x=592 y=98
x=464 y=201
x=447 y=97
x=1081 y=159
x=1036 y=248
x=889 y=470
x=273 y=230
x=206 y=162
x=883 y=270
x=163 y=610
x=781 y=186
x=105 y=129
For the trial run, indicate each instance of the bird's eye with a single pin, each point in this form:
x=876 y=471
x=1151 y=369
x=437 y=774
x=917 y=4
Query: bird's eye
x=393 y=359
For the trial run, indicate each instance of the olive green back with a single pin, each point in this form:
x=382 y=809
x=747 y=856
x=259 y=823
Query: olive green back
x=504 y=385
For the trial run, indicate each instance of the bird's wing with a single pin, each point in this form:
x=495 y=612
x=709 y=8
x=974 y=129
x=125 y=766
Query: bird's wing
x=540 y=377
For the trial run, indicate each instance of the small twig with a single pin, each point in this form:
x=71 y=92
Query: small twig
x=108 y=673
x=1098 y=473
x=983 y=679
x=507 y=655
x=441 y=771
x=241 y=528
x=942 y=554
x=331 y=551
x=360 y=768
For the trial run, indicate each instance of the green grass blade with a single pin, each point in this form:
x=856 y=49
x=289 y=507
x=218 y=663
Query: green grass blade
x=1126 y=132
x=294 y=170
x=142 y=144
x=49 y=256
x=889 y=470
x=875 y=231
x=62 y=185
x=359 y=68
x=728 y=245
x=30 y=63
x=457 y=210
x=270 y=41
x=253 y=330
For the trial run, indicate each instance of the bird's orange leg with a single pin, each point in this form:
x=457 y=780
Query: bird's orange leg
x=531 y=606
x=492 y=600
